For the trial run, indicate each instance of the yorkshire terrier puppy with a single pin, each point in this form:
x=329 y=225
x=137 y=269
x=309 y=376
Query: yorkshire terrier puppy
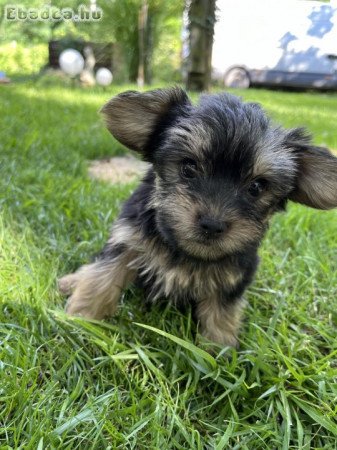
x=191 y=231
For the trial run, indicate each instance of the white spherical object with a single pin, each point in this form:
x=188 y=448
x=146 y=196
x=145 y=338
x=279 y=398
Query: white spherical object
x=104 y=76
x=71 y=62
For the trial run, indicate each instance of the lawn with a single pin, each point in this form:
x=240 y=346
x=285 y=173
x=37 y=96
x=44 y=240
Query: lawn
x=73 y=384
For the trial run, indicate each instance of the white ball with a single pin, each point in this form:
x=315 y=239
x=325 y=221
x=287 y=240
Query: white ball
x=104 y=76
x=71 y=62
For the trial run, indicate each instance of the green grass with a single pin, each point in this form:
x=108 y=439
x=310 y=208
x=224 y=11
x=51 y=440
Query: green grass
x=71 y=384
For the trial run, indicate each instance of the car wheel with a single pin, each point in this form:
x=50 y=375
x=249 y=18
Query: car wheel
x=237 y=78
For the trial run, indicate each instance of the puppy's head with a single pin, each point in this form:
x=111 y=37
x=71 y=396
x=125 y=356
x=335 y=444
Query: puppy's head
x=222 y=168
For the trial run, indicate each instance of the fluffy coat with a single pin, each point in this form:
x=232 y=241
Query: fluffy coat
x=191 y=231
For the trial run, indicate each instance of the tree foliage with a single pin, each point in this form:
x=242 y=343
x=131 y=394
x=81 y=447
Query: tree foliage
x=121 y=21
x=119 y=24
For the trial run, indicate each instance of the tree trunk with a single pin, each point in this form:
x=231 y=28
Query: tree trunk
x=142 y=22
x=201 y=17
x=145 y=40
x=148 y=48
x=133 y=64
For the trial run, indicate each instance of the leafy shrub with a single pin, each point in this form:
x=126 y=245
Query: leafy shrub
x=20 y=59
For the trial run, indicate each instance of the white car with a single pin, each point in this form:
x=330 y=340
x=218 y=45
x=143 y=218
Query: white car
x=276 y=42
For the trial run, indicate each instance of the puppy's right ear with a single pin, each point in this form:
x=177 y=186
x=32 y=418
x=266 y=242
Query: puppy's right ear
x=131 y=117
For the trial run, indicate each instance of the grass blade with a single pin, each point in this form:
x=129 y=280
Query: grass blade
x=317 y=416
x=187 y=345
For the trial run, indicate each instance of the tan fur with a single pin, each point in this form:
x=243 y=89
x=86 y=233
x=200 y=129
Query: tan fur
x=131 y=116
x=242 y=230
x=218 y=323
x=317 y=181
x=196 y=139
x=150 y=260
x=97 y=287
x=172 y=282
x=271 y=157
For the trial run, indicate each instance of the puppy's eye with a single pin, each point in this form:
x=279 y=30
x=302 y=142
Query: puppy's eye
x=257 y=186
x=188 y=168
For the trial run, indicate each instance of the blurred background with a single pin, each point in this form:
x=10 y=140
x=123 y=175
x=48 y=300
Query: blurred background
x=31 y=47
x=233 y=43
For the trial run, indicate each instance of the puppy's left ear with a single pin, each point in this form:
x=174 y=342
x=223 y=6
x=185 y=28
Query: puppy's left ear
x=132 y=117
x=316 y=183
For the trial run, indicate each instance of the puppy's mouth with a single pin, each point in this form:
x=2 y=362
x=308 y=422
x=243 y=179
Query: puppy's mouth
x=207 y=241
x=202 y=245
x=213 y=247
x=205 y=249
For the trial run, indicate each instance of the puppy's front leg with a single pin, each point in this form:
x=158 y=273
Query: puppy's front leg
x=96 y=287
x=220 y=322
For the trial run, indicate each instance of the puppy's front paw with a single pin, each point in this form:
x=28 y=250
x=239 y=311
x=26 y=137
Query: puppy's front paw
x=77 y=307
x=220 y=323
x=78 y=304
x=226 y=339
x=67 y=284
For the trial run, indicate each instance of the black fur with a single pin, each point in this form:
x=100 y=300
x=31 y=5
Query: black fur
x=222 y=161
x=137 y=212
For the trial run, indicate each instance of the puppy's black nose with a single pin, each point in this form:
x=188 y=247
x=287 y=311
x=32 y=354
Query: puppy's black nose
x=212 y=227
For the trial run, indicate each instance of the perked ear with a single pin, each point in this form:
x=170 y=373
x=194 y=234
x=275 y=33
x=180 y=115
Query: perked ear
x=316 y=184
x=132 y=116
